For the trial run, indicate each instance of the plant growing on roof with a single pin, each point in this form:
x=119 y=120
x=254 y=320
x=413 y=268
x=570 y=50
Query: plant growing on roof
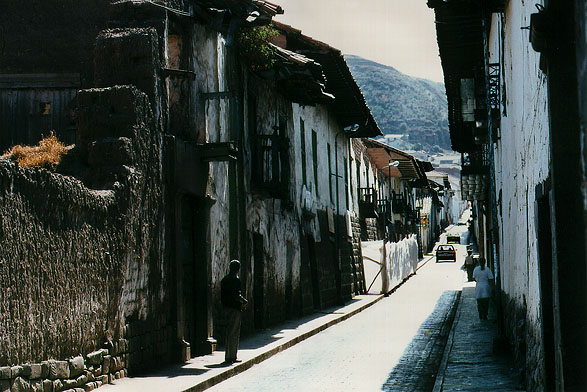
x=255 y=49
x=47 y=153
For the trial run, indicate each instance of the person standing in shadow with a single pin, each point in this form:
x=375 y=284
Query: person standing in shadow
x=484 y=279
x=234 y=303
x=469 y=265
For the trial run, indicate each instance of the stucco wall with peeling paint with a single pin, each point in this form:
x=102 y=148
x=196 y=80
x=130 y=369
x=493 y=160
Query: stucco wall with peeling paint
x=521 y=162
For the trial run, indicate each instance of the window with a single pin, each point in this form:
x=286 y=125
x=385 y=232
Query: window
x=45 y=108
x=330 y=172
x=303 y=151
x=270 y=159
x=346 y=184
x=315 y=159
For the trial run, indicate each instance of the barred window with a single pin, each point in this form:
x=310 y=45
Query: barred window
x=271 y=160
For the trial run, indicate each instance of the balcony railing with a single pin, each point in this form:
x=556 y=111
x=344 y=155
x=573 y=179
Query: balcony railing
x=383 y=208
x=399 y=205
x=270 y=171
x=367 y=202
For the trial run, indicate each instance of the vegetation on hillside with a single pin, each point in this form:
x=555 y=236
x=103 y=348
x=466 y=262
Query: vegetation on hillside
x=404 y=105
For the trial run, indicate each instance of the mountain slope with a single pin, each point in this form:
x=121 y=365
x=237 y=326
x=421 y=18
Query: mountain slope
x=403 y=105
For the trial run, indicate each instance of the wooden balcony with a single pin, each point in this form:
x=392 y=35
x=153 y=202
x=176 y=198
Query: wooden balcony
x=367 y=203
x=399 y=205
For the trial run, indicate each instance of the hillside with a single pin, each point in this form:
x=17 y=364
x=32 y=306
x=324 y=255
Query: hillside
x=404 y=105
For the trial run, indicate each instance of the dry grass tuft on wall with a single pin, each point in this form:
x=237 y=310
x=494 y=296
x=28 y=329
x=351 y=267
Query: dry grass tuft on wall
x=47 y=153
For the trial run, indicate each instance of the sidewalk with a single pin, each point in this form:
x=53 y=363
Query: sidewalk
x=469 y=363
x=203 y=372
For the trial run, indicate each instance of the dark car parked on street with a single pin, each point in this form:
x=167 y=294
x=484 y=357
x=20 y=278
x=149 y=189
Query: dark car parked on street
x=453 y=239
x=446 y=253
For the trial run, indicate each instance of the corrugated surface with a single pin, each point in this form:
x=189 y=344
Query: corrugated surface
x=25 y=116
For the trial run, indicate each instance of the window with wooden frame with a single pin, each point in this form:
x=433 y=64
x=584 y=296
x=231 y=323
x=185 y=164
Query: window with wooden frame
x=315 y=159
x=346 y=183
x=330 y=188
x=303 y=151
x=270 y=158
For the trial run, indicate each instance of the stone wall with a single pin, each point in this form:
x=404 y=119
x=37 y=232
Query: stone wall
x=369 y=229
x=526 y=341
x=61 y=266
x=83 y=258
x=83 y=269
x=359 y=284
x=80 y=373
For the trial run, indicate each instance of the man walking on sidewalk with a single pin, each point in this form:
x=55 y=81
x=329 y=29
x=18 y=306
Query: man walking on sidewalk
x=483 y=288
x=235 y=303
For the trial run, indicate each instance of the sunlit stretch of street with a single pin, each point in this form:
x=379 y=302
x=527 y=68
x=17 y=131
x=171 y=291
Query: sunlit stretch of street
x=369 y=351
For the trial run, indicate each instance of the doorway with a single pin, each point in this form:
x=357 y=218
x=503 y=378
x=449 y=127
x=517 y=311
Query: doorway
x=314 y=272
x=546 y=287
x=258 y=281
x=289 y=279
x=193 y=273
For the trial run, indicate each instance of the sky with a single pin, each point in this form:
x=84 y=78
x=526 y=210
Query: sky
x=399 y=33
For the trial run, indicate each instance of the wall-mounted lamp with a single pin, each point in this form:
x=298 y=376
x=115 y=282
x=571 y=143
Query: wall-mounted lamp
x=351 y=128
x=391 y=164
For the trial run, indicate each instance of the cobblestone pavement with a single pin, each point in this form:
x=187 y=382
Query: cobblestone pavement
x=395 y=345
x=470 y=363
x=417 y=368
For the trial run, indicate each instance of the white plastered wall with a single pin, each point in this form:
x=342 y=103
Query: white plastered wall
x=521 y=154
x=209 y=62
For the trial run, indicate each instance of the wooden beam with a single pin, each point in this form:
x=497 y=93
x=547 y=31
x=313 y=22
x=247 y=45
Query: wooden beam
x=45 y=80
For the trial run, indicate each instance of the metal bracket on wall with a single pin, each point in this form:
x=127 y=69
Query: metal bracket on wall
x=217 y=95
x=215 y=152
x=178 y=73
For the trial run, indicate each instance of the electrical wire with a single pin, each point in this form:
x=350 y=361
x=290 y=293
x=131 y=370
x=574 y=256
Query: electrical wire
x=178 y=12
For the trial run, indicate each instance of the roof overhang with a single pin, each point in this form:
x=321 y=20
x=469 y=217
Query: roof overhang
x=408 y=168
x=300 y=78
x=349 y=104
x=460 y=28
x=251 y=11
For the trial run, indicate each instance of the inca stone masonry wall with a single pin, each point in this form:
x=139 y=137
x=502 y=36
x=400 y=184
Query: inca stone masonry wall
x=76 y=374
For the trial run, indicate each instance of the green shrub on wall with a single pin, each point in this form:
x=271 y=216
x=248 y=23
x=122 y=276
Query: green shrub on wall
x=254 y=47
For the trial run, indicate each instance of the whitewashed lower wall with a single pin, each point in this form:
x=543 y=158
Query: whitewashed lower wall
x=389 y=264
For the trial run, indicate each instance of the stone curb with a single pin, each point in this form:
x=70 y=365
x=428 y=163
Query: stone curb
x=438 y=384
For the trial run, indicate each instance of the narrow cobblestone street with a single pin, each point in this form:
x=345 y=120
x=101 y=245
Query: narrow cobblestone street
x=396 y=345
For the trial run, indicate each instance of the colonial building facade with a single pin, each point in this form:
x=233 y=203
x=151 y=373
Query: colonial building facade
x=514 y=76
